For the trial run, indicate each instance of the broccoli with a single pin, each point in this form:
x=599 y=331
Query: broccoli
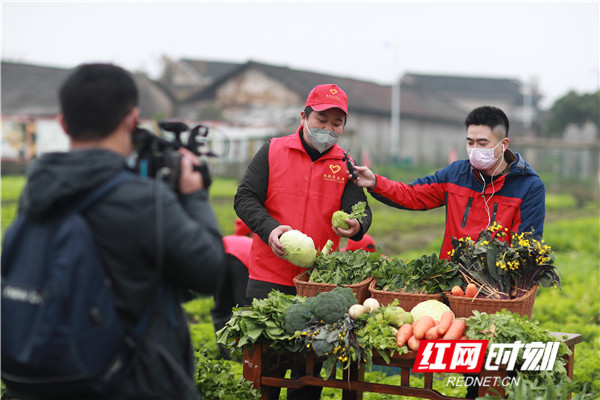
x=348 y=294
x=330 y=307
x=311 y=303
x=326 y=306
x=297 y=317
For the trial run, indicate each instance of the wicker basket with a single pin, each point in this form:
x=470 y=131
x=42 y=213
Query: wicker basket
x=463 y=307
x=406 y=300
x=310 y=289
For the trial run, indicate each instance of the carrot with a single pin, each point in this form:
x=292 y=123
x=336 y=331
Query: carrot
x=471 y=290
x=404 y=333
x=445 y=321
x=463 y=337
x=457 y=291
x=432 y=333
x=413 y=343
x=456 y=330
x=422 y=325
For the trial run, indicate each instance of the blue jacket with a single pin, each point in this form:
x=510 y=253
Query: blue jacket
x=516 y=200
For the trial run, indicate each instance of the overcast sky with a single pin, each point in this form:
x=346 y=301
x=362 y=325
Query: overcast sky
x=556 y=43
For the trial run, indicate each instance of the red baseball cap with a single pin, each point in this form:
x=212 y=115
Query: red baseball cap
x=366 y=243
x=240 y=228
x=324 y=97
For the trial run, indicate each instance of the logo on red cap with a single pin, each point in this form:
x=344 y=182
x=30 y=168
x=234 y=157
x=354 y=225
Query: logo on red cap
x=324 y=97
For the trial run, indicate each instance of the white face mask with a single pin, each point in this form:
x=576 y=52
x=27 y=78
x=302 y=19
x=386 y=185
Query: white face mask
x=321 y=139
x=483 y=159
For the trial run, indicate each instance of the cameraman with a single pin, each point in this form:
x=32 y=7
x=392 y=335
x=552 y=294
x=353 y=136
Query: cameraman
x=99 y=105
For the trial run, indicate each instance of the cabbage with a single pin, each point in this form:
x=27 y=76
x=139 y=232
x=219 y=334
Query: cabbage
x=338 y=219
x=433 y=308
x=300 y=248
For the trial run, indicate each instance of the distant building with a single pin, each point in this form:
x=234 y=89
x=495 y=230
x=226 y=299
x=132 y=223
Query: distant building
x=30 y=105
x=258 y=94
x=520 y=101
x=246 y=104
x=185 y=77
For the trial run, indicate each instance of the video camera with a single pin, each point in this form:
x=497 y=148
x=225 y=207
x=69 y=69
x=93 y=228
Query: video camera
x=158 y=157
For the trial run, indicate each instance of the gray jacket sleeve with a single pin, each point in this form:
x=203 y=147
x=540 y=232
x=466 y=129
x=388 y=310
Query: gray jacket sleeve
x=194 y=257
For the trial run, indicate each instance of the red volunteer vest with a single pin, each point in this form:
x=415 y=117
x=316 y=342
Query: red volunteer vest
x=302 y=194
x=239 y=247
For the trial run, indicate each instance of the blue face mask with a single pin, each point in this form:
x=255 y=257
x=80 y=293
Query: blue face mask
x=321 y=139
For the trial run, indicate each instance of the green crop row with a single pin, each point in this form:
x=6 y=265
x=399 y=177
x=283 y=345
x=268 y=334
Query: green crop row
x=571 y=230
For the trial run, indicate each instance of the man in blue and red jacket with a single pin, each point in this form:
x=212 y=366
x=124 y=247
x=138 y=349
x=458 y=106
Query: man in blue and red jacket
x=298 y=182
x=494 y=184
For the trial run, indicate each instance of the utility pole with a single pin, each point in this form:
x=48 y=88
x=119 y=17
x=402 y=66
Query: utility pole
x=395 y=108
x=395 y=122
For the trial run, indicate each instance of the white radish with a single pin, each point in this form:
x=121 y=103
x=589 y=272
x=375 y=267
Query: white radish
x=371 y=304
x=356 y=311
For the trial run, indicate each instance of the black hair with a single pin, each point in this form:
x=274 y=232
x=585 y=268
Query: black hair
x=309 y=109
x=95 y=98
x=489 y=116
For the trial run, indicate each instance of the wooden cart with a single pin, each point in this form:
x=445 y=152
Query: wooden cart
x=265 y=368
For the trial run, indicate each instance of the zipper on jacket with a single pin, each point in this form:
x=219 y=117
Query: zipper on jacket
x=494 y=213
x=467 y=210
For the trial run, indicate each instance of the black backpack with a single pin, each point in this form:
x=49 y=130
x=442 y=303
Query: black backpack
x=60 y=331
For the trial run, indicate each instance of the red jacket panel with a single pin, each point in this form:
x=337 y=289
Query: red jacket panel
x=239 y=247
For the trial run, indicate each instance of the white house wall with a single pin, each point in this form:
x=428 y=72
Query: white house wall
x=253 y=97
x=430 y=143
x=50 y=137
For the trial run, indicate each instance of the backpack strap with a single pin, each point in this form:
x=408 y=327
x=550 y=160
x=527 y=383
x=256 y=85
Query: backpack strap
x=88 y=200
x=164 y=289
x=100 y=191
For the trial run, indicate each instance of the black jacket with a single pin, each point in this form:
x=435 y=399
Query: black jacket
x=127 y=236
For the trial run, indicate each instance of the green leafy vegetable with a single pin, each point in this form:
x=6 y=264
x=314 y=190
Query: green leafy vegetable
x=507 y=327
x=503 y=264
x=378 y=332
x=263 y=320
x=427 y=274
x=215 y=380
x=345 y=267
x=337 y=341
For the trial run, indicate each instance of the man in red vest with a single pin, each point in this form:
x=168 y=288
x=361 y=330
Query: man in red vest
x=231 y=291
x=298 y=182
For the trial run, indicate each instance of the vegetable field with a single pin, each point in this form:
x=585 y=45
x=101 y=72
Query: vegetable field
x=572 y=230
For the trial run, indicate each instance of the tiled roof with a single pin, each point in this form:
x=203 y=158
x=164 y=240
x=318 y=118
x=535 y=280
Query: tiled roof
x=363 y=96
x=469 y=86
x=32 y=90
x=211 y=69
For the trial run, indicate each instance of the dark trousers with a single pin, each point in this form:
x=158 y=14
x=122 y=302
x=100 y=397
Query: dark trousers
x=231 y=292
x=260 y=289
